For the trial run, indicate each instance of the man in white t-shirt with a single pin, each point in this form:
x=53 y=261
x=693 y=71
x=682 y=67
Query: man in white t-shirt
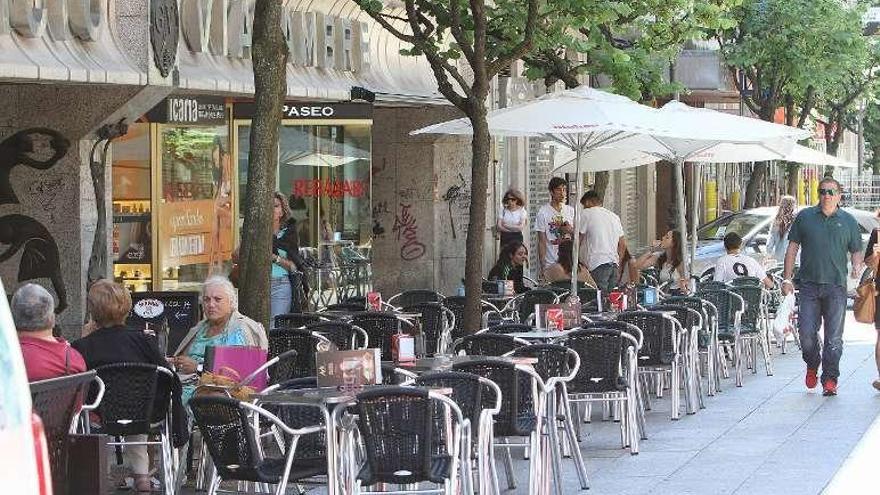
x=603 y=239
x=554 y=224
x=735 y=264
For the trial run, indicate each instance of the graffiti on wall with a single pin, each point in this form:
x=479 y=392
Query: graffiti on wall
x=38 y=148
x=458 y=198
x=407 y=229
x=380 y=214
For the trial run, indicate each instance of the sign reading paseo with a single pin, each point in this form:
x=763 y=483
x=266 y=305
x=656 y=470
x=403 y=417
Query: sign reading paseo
x=189 y=234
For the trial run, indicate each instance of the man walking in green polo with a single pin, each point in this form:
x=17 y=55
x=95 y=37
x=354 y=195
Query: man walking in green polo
x=825 y=234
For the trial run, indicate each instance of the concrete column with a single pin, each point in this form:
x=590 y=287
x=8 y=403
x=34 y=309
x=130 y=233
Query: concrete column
x=420 y=196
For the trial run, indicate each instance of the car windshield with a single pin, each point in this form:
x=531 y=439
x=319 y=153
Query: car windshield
x=741 y=223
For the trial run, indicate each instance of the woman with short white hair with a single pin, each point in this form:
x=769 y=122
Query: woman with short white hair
x=222 y=325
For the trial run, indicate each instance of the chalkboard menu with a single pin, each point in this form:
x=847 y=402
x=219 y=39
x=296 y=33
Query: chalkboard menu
x=176 y=311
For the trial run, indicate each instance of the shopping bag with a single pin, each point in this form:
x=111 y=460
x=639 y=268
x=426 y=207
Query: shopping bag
x=866 y=299
x=783 y=317
x=243 y=359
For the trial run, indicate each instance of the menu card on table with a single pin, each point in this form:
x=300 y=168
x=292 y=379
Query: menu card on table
x=349 y=369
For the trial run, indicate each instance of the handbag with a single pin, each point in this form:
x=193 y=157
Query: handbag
x=864 y=306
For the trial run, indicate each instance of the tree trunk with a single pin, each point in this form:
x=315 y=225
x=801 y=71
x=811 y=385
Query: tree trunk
x=270 y=85
x=791 y=179
x=601 y=184
x=473 y=276
x=755 y=181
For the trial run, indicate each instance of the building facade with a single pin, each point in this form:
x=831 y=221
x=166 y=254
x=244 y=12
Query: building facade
x=178 y=76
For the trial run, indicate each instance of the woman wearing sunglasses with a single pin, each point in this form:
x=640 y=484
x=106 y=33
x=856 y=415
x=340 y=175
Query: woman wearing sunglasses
x=512 y=218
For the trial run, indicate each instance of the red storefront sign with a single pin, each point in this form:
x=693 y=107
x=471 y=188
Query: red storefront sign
x=306 y=188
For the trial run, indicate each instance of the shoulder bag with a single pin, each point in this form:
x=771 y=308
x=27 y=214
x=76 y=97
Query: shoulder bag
x=864 y=306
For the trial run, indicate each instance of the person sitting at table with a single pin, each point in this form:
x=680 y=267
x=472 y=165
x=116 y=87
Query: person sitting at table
x=113 y=341
x=666 y=257
x=735 y=264
x=510 y=263
x=45 y=356
x=561 y=270
x=222 y=325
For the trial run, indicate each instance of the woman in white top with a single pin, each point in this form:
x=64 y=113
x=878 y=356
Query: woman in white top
x=667 y=259
x=512 y=218
x=778 y=241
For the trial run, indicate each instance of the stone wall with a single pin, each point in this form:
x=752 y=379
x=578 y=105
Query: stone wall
x=421 y=192
x=47 y=223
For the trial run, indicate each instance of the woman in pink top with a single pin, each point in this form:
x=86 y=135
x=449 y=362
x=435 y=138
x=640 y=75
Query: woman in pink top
x=45 y=356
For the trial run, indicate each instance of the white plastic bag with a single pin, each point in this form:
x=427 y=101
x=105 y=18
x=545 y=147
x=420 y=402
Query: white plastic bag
x=783 y=317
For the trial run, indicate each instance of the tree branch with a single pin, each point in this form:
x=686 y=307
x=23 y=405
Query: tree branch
x=522 y=47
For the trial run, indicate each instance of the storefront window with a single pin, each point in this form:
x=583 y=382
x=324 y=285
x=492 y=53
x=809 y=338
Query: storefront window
x=195 y=209
x=132 y=243
x=324 y=171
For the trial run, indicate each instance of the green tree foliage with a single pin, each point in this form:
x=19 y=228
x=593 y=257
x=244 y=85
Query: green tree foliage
x=872 y=135
x=631 y=43
x=790 y=53
x=466 y=44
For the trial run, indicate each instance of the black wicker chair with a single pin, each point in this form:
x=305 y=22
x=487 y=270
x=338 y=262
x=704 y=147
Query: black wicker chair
x=519 y=411
x=557 y=365
x=297 y=320
x=397 y=428
x=707 y=338
x=659 y=356
x=525 y=303
x=455 y=304
x=435 y=324
x=746 y=282
x=479 y=400
x=728 y=308
x=487 y=344
x=342 y=334
x=137 y=401
x=228 y=431
x=415 y=296
x=607 y=373
x=346 y=307
x=690 y=321
x=754 y=327
x=58 y=401
x=392 y=375
x=712 y=285
x=508 y=328
x=305 y=343
x=380 y=327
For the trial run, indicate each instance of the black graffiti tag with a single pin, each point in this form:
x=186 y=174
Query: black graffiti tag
x=406 y=226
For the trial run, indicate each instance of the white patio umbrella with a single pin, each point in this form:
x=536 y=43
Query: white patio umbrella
x=581 y=119
x=584 y=119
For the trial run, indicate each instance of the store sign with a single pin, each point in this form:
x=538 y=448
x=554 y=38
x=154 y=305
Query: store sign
x=310 y=110
x=305 y=188
x=190 y=233
x=64 y=19
x=190 y=110
x=314 y=39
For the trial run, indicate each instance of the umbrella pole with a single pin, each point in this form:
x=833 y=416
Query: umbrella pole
x=575 y=250
x=695 y=209
x=682 y=224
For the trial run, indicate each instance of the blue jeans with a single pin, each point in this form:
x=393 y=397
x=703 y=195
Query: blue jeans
x=606 y=277
x=826 y=304
x=280 y=296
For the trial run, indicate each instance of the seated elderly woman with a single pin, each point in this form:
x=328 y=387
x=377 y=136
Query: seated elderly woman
x=113 y=342
x=222 y=325
x=45 y=356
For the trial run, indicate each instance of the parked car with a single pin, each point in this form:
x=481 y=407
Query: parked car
x=21 y=431
x=754 y=227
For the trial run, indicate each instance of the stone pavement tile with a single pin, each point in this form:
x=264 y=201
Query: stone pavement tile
x=648 y=463
x=627 y=485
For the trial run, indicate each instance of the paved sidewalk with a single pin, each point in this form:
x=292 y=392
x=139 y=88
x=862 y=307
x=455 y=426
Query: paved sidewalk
x=771 y=436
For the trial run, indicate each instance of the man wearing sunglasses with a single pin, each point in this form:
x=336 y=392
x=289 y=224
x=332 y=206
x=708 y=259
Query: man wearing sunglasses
x=825 y=234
